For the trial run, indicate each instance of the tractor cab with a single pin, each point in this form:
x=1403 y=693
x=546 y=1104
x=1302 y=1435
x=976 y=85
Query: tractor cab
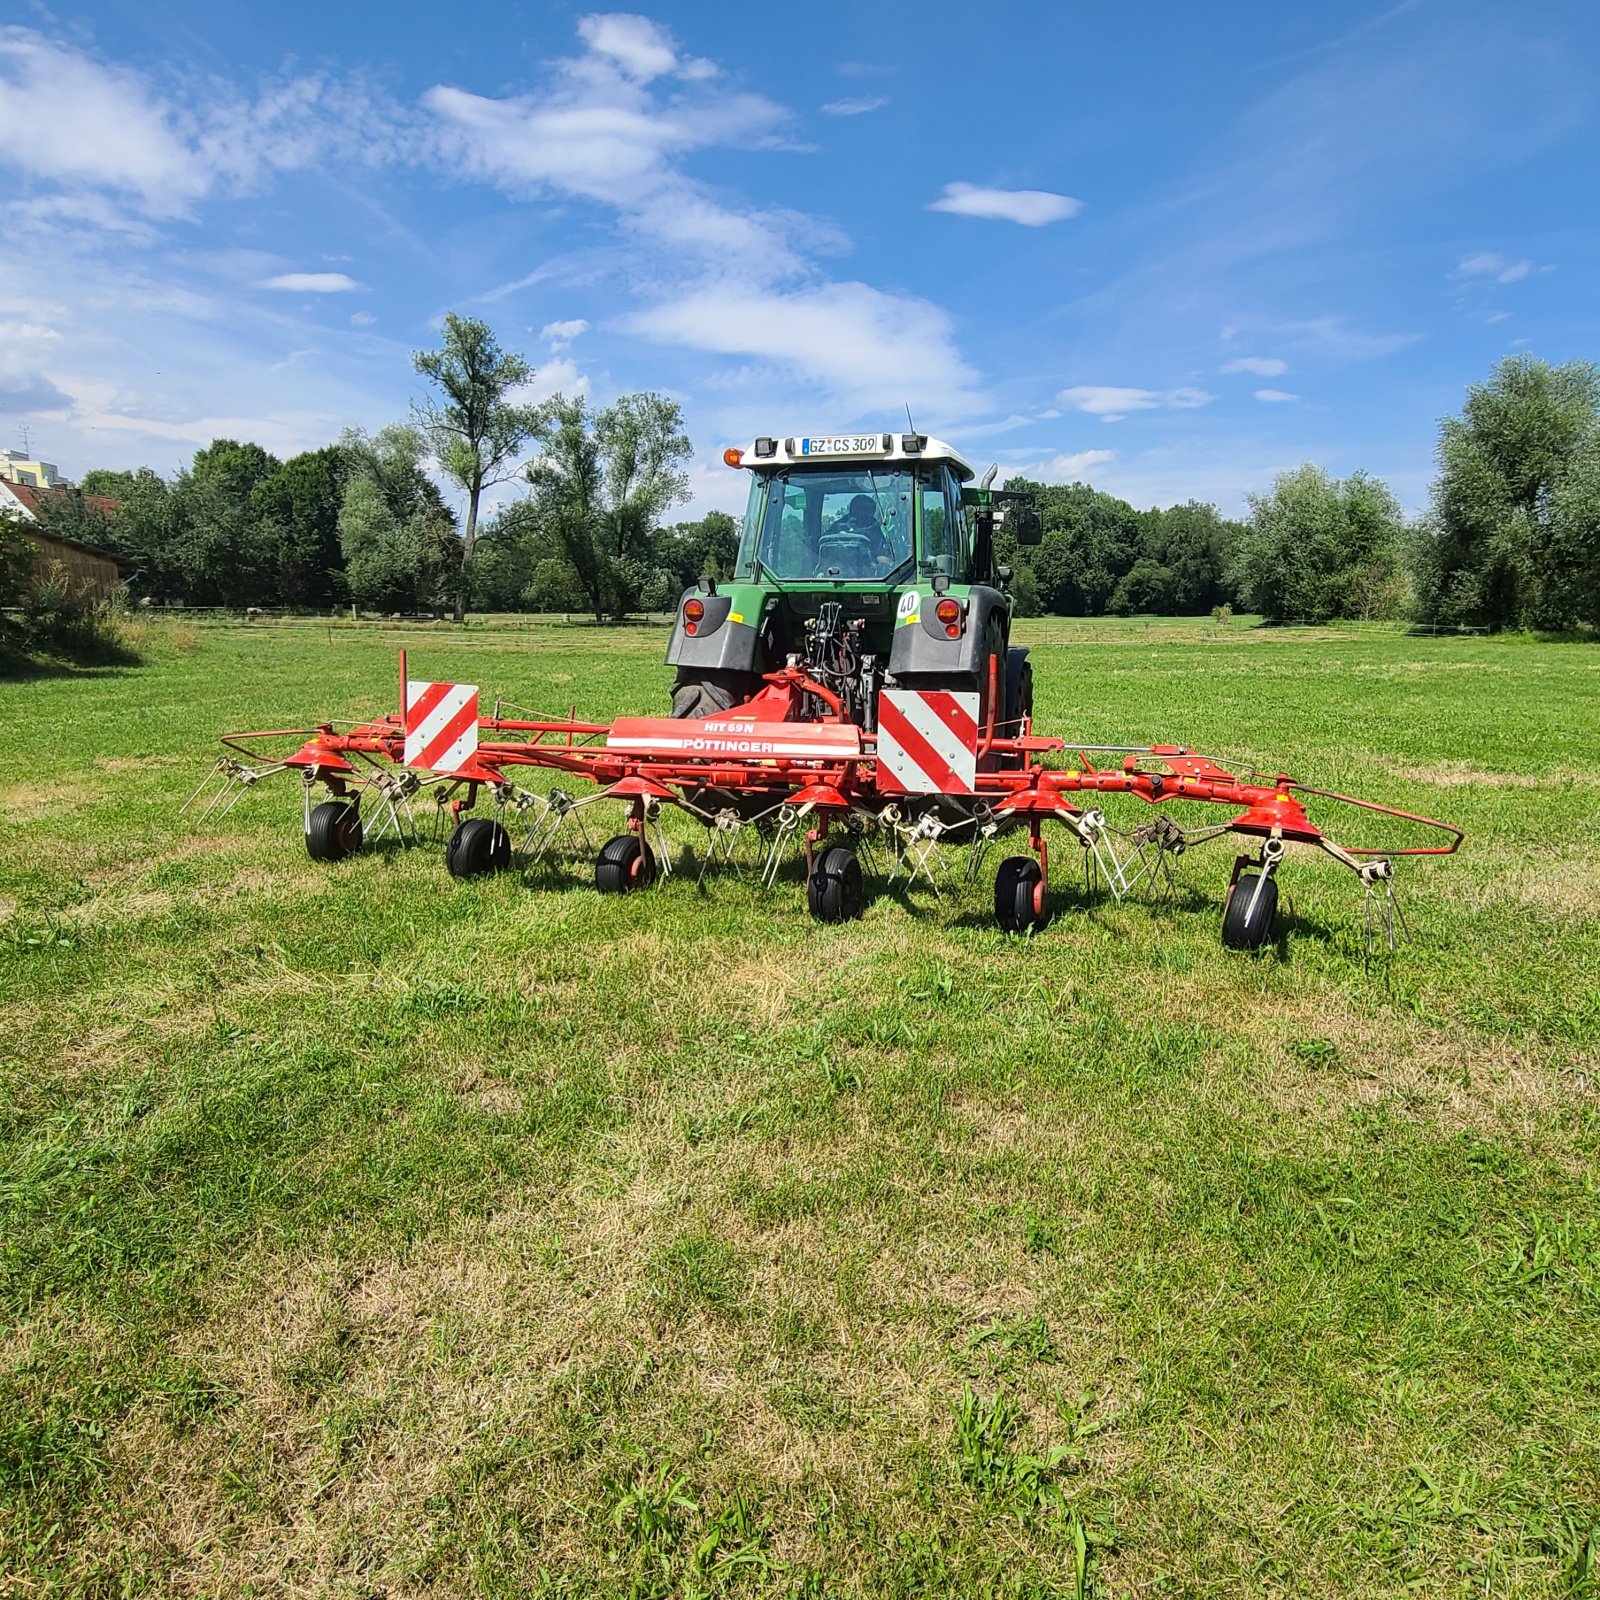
x=875 y=537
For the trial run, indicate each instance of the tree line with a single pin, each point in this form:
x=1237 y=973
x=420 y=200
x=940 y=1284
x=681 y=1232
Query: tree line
x=1511 y=538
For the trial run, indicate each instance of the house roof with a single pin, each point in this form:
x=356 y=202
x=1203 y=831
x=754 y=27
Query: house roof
x=31 y=500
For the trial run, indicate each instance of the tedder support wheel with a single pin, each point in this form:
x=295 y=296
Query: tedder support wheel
x=334 y=831
x=1250 y=910
x=625 y=863
x=1018 y=904
x=477 y=846
x=833 y=892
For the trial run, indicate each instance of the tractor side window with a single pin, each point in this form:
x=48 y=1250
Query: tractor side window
x=943 y=531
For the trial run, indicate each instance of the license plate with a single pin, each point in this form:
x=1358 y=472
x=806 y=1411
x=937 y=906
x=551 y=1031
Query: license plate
x=844 y=444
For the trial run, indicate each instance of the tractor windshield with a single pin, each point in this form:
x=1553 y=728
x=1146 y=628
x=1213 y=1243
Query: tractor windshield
x=851 y=523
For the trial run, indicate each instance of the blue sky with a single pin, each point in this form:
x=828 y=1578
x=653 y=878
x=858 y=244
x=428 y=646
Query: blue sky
x=1167 y=249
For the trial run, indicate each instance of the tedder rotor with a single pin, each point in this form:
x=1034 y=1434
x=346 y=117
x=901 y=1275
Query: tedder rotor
x=850 y=690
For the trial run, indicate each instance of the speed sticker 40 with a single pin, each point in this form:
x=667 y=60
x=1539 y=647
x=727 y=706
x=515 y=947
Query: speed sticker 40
x=844 y=444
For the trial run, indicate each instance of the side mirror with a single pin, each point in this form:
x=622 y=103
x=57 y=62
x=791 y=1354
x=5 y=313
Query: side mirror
x=1026 y=524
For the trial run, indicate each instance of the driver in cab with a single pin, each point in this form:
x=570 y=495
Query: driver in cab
x=856 y=544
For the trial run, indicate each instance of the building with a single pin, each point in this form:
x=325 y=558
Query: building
x=16 y=467
x=95 y=571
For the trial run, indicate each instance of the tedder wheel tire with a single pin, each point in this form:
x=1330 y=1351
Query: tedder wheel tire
x=478 y=845
x=334 y=832
x=1242 y=927
x=624 y=864
x=833 y=892
x=1014 y=887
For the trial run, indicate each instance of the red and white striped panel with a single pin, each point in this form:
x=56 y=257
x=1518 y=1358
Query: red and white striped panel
x=927 y=741
x=441 y=725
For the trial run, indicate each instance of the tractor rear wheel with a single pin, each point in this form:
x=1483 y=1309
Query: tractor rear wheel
x=701 y=693
x=1249 y=912
x=833 y=891
x=1018 y=905
x=334 y=831
x=624 y=864
x=478 y=845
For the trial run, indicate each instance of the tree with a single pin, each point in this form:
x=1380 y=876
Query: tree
x=395 y=531
x=297 y=508
x=602 y=483
x=1317 y=547
x=147 y=527
x=218 y=554
x=477 y=431
x=1488 y=554
x=688 y=549
x=1571 y=586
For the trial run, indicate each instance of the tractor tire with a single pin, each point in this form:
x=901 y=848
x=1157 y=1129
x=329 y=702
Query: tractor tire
x=624 y=864
x=1019 y=696
x=1248 y=916
x=699 y=694
x=478 y=846
x=1016 y=893
x=1019 y=703
x=334 y=831
x=833 y=892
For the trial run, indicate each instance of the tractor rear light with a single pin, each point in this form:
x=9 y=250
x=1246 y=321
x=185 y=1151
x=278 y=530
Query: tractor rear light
x=948 y=611
x=953 y=631
x=693 y=610
x=733 y=456
x=691 y=628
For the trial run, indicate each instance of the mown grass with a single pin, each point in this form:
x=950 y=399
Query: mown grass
x=367 y=1233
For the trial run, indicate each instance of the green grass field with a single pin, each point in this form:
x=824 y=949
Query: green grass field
x=365 y=1233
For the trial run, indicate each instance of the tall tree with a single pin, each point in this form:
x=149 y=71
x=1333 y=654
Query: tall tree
x=1319 y=547
x=602 y=483
x=397 y=535
x=476 y=431
x=218 y=553
x=298 y=508
x=1488 y=554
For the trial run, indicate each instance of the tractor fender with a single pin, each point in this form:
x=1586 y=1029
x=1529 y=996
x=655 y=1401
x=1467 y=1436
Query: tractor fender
x=917 y=648
x=718 y=643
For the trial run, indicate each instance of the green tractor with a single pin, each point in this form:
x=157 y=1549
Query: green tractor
x=869 y=558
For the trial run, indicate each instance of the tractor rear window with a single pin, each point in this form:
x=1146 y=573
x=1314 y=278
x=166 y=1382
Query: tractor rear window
x=852 y=524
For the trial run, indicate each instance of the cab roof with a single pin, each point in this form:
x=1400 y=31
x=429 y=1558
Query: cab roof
x=840 y=449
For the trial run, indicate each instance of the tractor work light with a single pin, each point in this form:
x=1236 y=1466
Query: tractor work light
x=765 y=448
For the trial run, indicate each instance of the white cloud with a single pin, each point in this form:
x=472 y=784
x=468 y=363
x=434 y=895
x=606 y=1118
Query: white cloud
x=637 y=46
x=1261 y=366
x=602 y=135
x=80 y=125
x=1275 y=396
x=1033 y=208
x=66 y=118
x=362 y=319
x=1112 y=403
x=1499 y=268
x=554 y=377
x=558 y=335
x=856 y=108
x=1069 y=468
x=1497 y=316
x=1327 y=335
x=311 y=282
x=857 y=349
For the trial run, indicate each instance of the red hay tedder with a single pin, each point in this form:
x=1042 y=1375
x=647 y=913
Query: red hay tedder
x=808 y=764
